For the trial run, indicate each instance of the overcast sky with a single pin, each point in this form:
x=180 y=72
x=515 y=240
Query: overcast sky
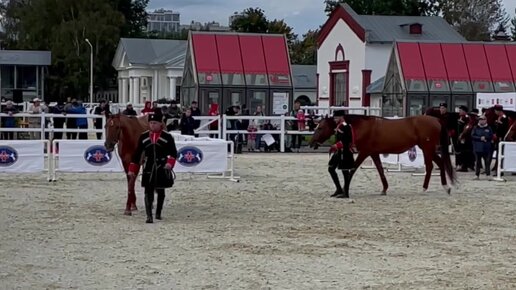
x=302 y=15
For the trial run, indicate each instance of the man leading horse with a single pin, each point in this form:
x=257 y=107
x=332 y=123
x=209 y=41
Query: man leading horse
x=342 y=155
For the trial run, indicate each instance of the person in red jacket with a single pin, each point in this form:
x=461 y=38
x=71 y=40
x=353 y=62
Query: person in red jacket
x=159 y=152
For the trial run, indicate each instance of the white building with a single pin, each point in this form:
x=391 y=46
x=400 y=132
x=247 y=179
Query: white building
x=354 y=50
x=163 y=21
x=149 y=69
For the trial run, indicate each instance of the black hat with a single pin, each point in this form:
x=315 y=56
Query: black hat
x=156 y=117
x=498 y=107
x=464 y=108
x=443 y=105
x=474 y=111
x=339 y=113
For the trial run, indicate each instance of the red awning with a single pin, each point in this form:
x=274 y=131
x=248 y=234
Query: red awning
x=229 y=54
x=253 y=58
x=276 y=55
x=205 y=52
x=498 y=64
x=477 y=62
x=511 y=55
x=433 y=61
x=410 y=58
x=455 y=62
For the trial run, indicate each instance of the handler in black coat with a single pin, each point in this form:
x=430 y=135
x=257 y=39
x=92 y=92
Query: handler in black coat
x=342 y=157
x=160 y=153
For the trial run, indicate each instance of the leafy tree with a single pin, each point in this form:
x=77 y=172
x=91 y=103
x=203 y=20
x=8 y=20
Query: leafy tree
x=62 y=27
x=474 y=19
x=134 y=14
x=280 y=27
x=252 y=20
x=385 y=7
x=305 y=51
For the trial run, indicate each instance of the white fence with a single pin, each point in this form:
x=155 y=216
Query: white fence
x=506 y=159
x=42 y=124
x=198 y=156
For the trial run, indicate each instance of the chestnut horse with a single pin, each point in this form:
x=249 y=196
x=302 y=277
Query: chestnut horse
x=376 y=135
x=491 y=121
x=125 y=131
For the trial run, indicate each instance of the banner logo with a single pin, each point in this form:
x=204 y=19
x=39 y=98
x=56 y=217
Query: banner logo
x=8 y=156
x=97 y=155
x=190 y=156
x=412 y=154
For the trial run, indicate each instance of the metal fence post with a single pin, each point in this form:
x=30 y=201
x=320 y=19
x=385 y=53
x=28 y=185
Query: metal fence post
x=282 y=134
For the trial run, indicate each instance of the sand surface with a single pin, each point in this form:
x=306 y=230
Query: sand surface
x=276 y=229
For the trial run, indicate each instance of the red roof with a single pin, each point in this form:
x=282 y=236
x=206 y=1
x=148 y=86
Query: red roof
x=230 y=57
x=458 y=61
x=511 y=55
x=477 y=62
x=433 y=61
x=252 y=54
x=205 y=52
x=240 y=53
x=455 y=62
x=411 y=63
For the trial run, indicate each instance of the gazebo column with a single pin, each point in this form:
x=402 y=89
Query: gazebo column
x=131 y=90
x=137 y=98
x=125 y=98
x=155 y=88
x=172 y=87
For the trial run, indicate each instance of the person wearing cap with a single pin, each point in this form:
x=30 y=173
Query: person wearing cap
x=446 y=121
x=103 y=110
x=342 y=155
x=159 y=152
x=482 y=135
x=129 y=110
x=463 y=159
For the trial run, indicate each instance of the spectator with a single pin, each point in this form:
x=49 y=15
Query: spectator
x=10 y=121
x=129 y=111
x=187 y=123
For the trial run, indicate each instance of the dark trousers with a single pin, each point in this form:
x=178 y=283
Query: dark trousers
x=149 y=199
x=479 y=156
x=83 y=135
x=333 y=164
x=296 y=141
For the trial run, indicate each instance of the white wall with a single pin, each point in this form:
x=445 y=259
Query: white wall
x=354 y=51
x=377 y=58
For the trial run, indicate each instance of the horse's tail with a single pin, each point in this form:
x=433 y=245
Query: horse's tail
x=445 y=155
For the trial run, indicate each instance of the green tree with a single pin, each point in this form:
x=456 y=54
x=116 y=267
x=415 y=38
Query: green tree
x=280 y=27
x=305 y=51
x=134 y=14
x=252 y=20
x=62 y=27
x=386 y=7
x=474 y=19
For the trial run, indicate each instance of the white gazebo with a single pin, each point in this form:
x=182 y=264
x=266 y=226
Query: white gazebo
x=149 y=69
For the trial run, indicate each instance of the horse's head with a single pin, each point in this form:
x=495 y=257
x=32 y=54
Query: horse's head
x=113 y=129
x=511 y=133
x=433 y=111
x=324 y=130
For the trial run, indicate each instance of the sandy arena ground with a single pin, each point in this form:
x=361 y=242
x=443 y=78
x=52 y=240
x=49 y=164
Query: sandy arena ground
x=276 y=229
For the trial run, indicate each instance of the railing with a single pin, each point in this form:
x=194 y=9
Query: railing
x=27 y=118
x=506 y=159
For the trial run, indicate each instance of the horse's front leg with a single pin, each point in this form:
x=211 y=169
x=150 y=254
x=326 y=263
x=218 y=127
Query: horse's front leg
x=378 y=163
x=131 y=194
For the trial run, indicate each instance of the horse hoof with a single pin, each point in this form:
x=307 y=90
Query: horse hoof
x=384 y=192
x=128 y=212
x=134 y=207
x=447 y=189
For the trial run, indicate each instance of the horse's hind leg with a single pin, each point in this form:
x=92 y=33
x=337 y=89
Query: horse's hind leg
x=428 y=155
x=378 y=163
x=439 y=163
x=132 y=193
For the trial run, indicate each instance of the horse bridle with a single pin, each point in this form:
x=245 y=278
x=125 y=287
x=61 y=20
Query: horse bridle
x=118 y=129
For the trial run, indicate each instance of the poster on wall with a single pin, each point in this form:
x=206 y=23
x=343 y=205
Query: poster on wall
x=279 y=103
x=487 y=100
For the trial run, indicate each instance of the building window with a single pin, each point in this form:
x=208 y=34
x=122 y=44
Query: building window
x=340 y=89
